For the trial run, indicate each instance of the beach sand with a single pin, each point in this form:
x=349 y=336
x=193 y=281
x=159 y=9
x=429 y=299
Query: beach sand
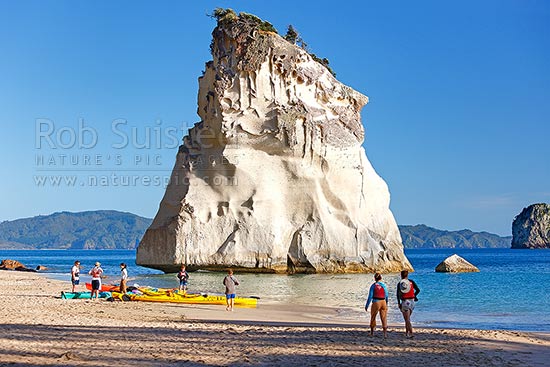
x=40 y=329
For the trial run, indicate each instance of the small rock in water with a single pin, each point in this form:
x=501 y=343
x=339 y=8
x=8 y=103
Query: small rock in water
x=11 y=264
x=455 y=264
x=8 y=264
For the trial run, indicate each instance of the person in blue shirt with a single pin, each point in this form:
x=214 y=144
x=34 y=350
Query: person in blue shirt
x=378 y=295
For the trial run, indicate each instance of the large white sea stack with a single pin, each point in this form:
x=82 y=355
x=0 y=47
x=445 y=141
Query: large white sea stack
x=273 y=178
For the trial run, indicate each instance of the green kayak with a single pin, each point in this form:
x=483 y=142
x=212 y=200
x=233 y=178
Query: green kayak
x=83 y=295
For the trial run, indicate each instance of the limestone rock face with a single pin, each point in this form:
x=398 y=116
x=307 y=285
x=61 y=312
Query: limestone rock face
x=273 y=178
x=455 y=264
x=531 y=228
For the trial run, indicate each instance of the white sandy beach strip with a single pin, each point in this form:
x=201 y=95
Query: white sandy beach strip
x=40 y=329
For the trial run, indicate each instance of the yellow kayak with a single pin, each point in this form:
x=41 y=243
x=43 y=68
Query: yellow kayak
x=152 y=295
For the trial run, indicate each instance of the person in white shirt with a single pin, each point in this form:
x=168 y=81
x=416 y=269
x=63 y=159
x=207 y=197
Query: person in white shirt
x=75 y=275
x=123 y=277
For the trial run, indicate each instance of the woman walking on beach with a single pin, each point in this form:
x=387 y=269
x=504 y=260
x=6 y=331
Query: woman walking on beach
x=123 y=277
x=96 y=273
x=230 y=282
x=378 y=295
x=75 y=275
x=407 y=290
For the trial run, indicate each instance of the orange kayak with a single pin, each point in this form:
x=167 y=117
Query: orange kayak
x=105 y=287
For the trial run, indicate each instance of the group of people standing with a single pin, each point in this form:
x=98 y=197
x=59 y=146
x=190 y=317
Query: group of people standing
x=97 y=272
x=407 y=292
x=230 y=282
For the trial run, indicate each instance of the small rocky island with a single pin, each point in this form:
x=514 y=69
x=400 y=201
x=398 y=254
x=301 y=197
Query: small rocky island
x=531 y=228
x=274 y=177
x=456 y=264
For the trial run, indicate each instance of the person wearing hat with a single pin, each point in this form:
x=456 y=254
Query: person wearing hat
x=96 y=273
x=407 y=292
x=378 y=294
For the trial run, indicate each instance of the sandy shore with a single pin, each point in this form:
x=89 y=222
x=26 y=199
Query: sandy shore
x=40 y=329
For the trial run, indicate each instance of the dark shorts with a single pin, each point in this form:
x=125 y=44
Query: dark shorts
x=75 y=281
x=183 y=283
x=229 y=296
x=95 y=284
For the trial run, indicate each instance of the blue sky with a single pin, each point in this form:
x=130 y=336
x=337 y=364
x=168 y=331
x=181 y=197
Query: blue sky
x=458 y=121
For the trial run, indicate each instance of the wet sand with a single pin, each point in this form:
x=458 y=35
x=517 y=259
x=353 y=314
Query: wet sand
x=41 y=329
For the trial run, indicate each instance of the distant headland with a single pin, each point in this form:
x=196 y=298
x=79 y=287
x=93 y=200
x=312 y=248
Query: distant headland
x=111 y=229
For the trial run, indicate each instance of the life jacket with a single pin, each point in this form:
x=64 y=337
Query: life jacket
x=96 y=273
x=379 y=292
x=409 y=294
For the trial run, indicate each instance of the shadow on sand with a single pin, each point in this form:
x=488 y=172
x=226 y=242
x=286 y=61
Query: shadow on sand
x=244 y=343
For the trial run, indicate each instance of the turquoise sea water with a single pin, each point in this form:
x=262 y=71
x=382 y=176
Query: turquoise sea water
x=512 y=290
